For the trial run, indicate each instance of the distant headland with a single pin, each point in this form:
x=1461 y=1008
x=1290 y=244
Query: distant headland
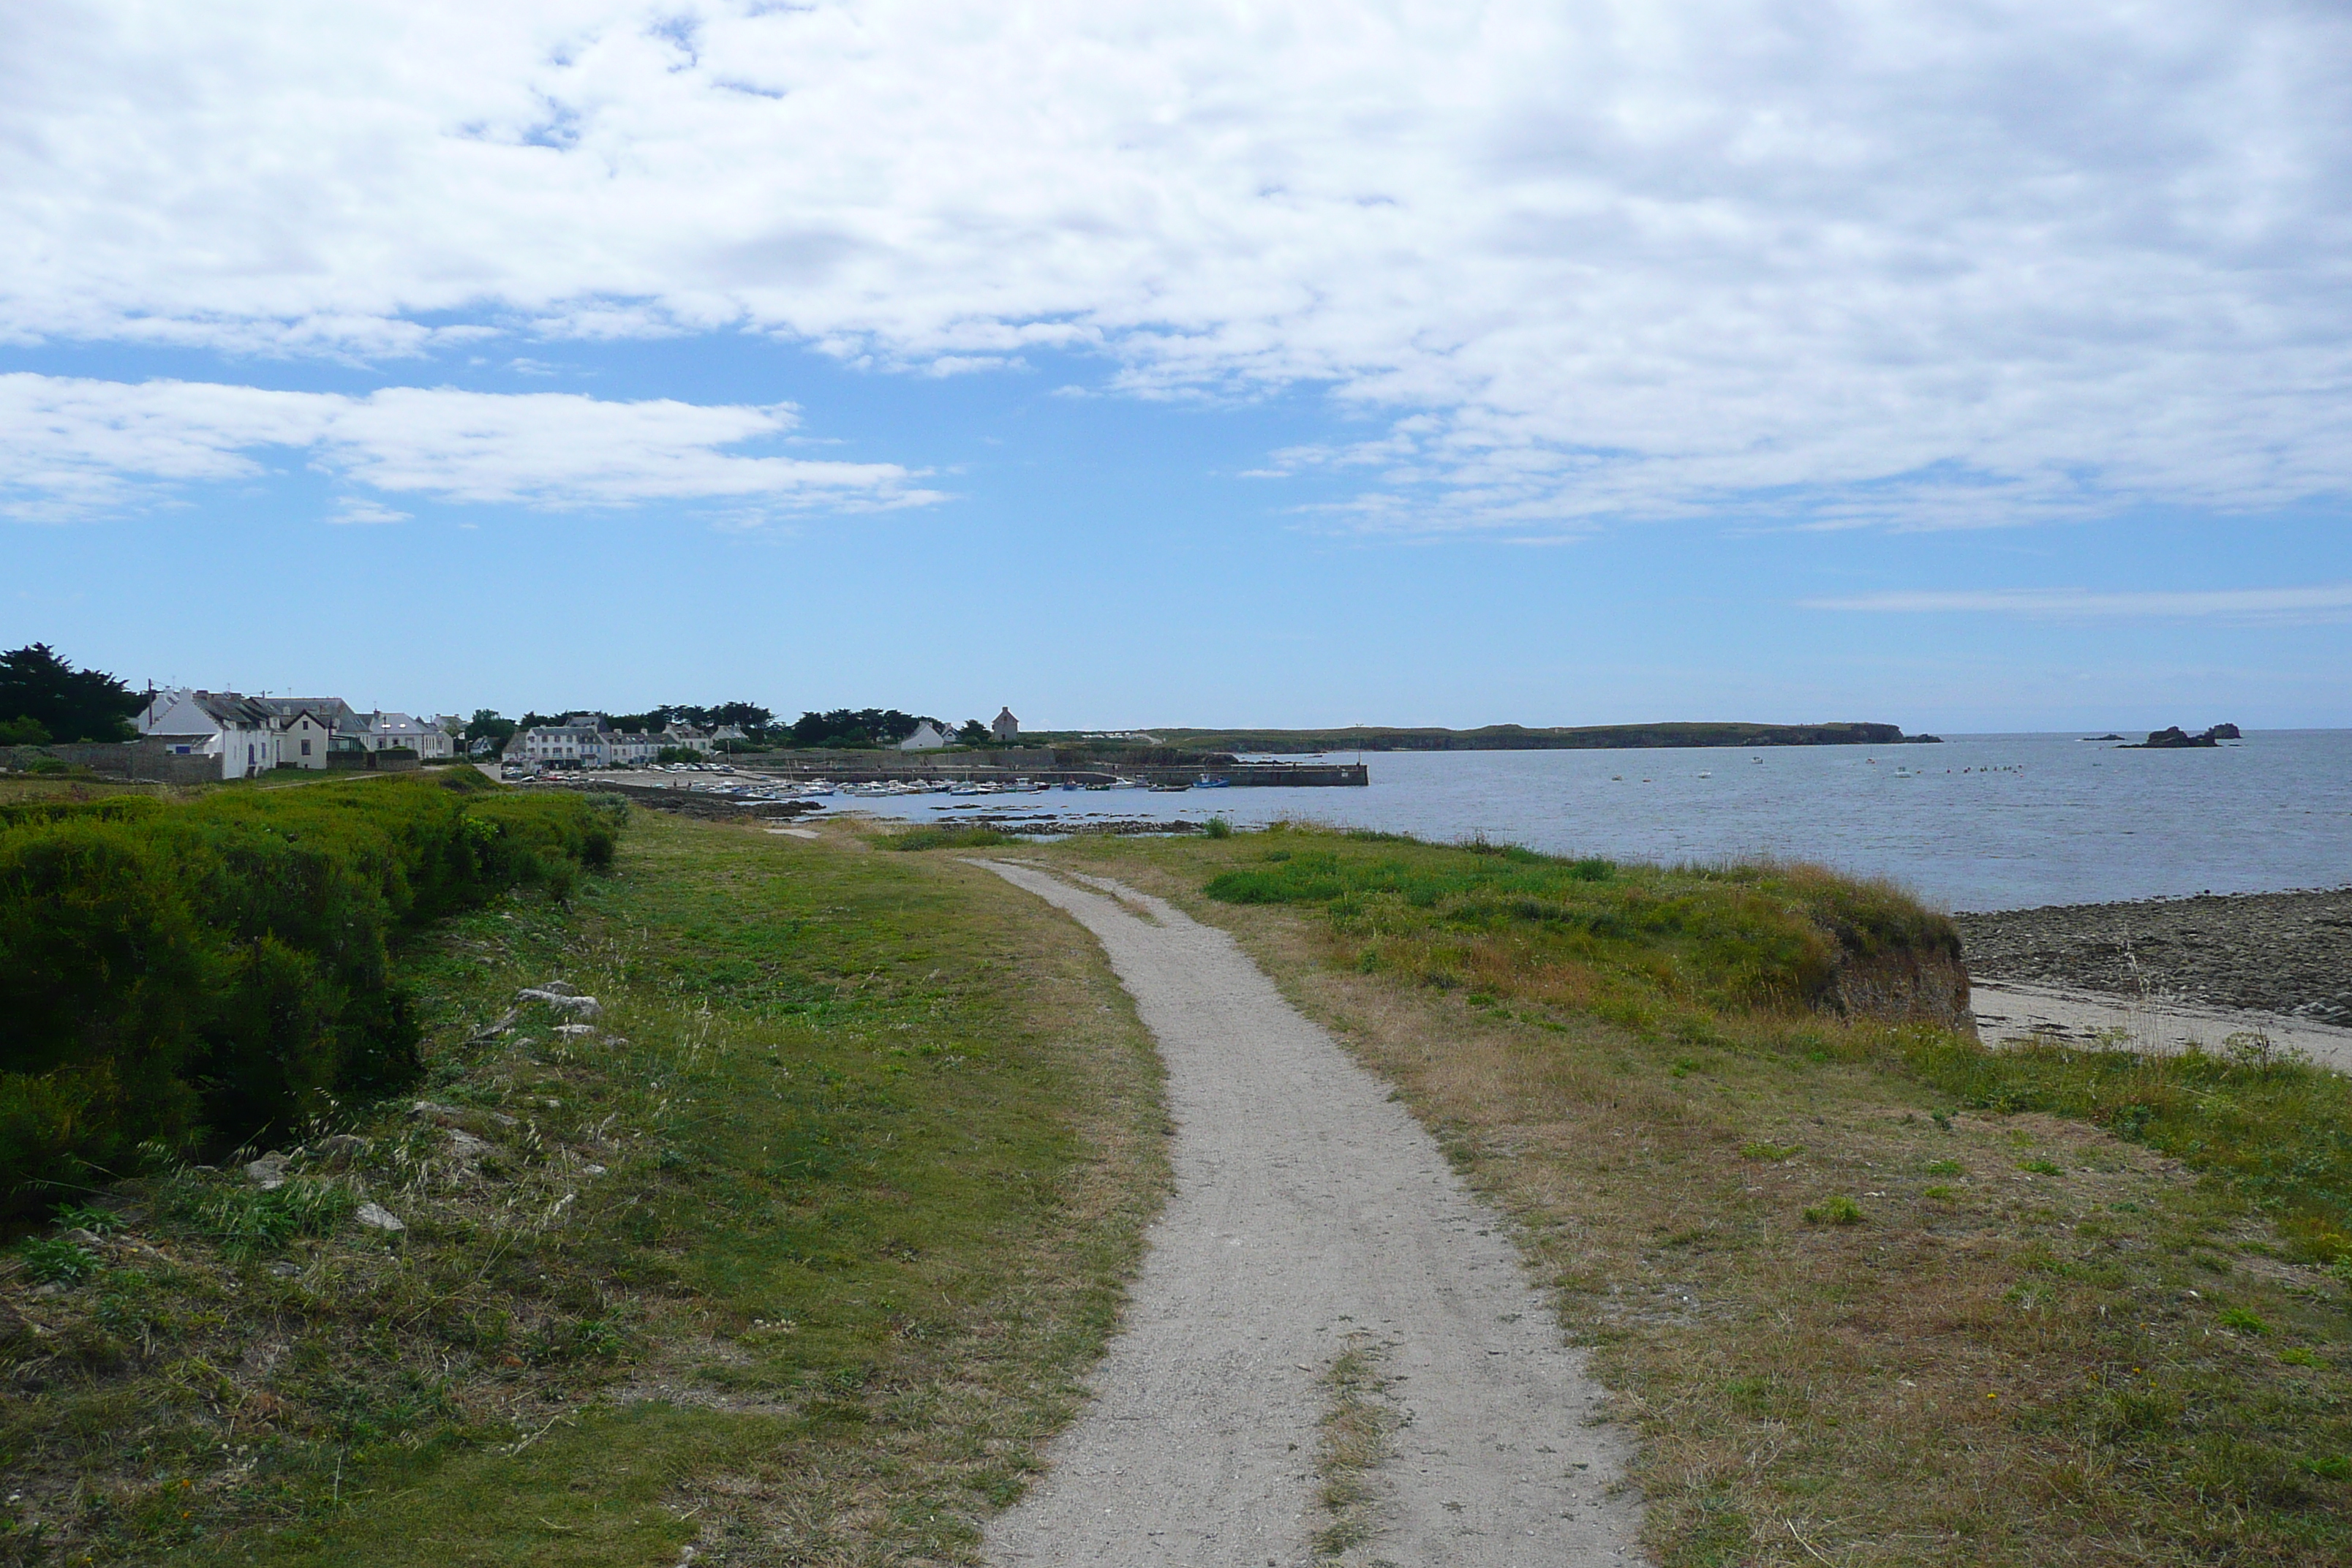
x=1519 y=738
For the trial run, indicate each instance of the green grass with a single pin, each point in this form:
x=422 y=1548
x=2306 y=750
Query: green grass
x=2277 y=1130
x=1754 y=956
x=878 y=1139
x=950 y=838
x=1838 y=1209
x=598 y=1488
x=1992 y=1364
x=1634 y=940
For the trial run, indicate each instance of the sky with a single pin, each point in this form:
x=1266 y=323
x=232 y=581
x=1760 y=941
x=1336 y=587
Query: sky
x=1971 y=366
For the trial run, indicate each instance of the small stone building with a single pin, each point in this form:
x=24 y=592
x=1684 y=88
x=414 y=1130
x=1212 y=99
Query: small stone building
x=1006 y=729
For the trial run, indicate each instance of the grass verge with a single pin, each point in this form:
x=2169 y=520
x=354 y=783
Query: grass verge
x=794 y=1253
x=1867 y=1293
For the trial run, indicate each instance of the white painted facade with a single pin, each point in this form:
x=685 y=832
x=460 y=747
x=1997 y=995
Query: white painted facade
x=926 y=738
x=569 y=745
x=242 y=734
x=303 y=741
x=396 y=731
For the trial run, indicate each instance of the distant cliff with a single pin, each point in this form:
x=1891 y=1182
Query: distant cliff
x=1518 y=738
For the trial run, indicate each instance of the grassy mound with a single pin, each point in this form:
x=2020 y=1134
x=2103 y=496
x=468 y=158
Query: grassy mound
x=1629 y=939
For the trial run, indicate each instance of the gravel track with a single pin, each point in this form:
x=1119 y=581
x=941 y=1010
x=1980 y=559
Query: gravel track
x=1308 y=1207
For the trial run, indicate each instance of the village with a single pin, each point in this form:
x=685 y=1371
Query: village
x=230 y=735
x=249 y=736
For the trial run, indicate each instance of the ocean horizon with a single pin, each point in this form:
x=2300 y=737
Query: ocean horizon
x=1975 y=822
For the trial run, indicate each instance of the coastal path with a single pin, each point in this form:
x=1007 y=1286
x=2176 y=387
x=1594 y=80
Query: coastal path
x=1312 y=1219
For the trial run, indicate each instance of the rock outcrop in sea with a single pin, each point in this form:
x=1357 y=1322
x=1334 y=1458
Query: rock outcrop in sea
x=2173 y=738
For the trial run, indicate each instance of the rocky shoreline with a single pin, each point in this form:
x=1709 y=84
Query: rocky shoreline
x=2272 y=952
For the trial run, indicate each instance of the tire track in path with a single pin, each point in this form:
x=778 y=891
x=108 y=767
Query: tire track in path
x=1308 y=1207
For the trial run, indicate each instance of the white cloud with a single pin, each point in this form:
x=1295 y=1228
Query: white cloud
x=2324 y=601
x=76 y=447
x=1939 y=263
x=356 y=509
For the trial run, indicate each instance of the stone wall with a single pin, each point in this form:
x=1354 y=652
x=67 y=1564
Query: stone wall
x=143 y=759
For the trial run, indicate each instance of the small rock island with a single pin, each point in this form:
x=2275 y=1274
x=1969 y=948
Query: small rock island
x=2175 y=738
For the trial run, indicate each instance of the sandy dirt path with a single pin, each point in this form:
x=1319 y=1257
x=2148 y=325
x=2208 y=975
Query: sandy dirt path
x=1308 y=1207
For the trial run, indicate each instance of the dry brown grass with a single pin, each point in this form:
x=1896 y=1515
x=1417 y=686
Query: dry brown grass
x=2109 y=1363
x=1351 y=1444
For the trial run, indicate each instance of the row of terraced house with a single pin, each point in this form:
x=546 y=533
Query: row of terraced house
x=589 y=741
x=253 y=735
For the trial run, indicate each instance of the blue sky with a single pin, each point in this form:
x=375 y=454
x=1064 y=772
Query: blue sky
x=1963 y=367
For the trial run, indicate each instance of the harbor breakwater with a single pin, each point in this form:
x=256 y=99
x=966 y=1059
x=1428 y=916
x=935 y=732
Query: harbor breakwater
x=1046 y=767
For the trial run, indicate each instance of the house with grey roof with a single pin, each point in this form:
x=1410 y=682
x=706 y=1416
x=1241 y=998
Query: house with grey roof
x=241 y=732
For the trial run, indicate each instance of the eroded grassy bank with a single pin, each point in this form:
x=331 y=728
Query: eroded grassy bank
x=793 y=1255
x=1867 y=1293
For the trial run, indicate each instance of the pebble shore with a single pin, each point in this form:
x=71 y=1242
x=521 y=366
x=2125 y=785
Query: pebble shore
x=2275 y=953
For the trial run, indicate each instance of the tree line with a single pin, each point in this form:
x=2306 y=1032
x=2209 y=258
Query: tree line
x=45 y=701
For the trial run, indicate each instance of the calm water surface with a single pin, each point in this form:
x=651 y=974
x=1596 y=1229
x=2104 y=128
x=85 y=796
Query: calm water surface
x=1981 y=821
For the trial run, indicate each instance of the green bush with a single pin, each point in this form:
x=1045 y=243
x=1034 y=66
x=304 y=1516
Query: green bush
x=192 y=974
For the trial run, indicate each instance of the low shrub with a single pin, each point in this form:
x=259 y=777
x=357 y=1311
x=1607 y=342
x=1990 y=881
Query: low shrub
x=54 y=1260
x=191 y=974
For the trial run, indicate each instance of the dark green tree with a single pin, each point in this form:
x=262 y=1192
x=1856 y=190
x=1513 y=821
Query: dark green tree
x=855 y=726
x=973 y=733
x=489 y=725
x=70 y=704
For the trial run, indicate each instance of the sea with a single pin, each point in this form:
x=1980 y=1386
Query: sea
x=1976 y=822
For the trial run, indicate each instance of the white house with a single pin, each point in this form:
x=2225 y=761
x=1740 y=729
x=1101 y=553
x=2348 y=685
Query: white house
x=927 y=736
x=566 y=745
x=241 y=732
x=397 y=731
x=631 y=748
x=306 y=726
x=688 y=738
x=303 y=739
